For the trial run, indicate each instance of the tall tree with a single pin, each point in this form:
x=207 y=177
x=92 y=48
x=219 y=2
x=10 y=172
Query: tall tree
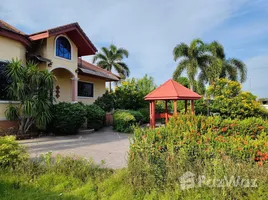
x=220 y=67
x=191 y=59
x=32 y=87
x=112 y=58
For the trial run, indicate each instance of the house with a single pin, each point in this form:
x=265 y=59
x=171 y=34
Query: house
x=60 y=50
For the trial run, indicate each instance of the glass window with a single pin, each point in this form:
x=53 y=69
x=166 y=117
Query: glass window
x=63 y=48
x=85 y=89
x=4 y=82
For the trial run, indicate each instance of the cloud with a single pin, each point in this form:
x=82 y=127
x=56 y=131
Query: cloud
x=148 y=29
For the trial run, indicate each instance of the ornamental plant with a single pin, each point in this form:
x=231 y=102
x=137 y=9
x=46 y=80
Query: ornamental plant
x=230 y=101
x=32 y=88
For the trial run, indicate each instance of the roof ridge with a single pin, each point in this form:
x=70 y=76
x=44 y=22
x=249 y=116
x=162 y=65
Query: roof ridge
x=10 y=27
x=172 y=81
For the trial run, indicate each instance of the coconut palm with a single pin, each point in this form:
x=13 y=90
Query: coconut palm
x=192 y=58
x=112 y=58
x=32 y=87
x=220 y=67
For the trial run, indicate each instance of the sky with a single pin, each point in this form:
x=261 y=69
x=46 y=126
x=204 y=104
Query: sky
x=150 y=29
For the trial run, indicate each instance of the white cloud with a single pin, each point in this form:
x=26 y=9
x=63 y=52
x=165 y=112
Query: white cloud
x=148 y=29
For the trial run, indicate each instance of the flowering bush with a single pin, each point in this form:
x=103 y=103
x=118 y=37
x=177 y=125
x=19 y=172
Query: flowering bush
x=192 y=143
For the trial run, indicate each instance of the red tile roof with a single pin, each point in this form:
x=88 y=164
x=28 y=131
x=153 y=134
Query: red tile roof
x=172 y=90
x=74 y=32
x=11 y=32
x=88 y=68
x=7 y=26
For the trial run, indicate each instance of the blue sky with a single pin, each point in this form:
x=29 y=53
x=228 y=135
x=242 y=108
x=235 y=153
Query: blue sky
x=151 y=29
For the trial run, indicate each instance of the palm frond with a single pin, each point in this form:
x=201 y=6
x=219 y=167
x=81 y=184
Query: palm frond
x=123 y=51
x=181 y=50
x=181 y=66
x=240 y=67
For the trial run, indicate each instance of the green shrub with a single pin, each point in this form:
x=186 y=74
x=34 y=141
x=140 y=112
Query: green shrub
x=11 y=152
x=95 y=116
x=138 y=116
x=146 y=114
x=67 y=117
x=106 y=102
x=123 y=120
x=202 y=145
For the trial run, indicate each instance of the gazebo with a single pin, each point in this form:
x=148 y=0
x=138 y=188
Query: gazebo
x=170 y=90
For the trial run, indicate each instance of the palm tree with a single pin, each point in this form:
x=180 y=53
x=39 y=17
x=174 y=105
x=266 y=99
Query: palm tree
x=220 y=67
x=232 y=68
x=192 y=57
x=112 y=58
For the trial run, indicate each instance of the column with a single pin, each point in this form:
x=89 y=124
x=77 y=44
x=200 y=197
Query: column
x=166 y=111
x=74 y=89
x=175 y=108
x=185 y=106
x=192 y=106
x=153 y=114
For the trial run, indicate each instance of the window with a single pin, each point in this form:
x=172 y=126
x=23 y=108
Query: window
x=85 y=89
x=4 y=82
x=63 y=48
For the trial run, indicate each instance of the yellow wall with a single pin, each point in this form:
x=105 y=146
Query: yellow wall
x=48 y=51
x=11 y=49
x=63 y=80
x=99 y=88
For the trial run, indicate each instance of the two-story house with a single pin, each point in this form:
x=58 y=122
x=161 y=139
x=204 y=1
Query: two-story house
x=59 y=50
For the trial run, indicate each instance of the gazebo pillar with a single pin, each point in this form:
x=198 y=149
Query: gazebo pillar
x=166 y=111
x=192 y=106
x=175 y=108
x=152 y=114
x=185 y=106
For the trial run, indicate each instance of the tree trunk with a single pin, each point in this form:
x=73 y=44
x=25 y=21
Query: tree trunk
x=110 y=86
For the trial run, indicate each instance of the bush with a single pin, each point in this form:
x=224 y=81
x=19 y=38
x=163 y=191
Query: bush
x=198 y=144
x=11 y=152
x=138 y=116
x=106 y=102
x=95 y=116
x=123 y=120
x=67 y=117
x=146 y=114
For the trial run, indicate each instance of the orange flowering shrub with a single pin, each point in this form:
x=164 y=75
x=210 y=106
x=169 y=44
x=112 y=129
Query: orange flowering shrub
x=188 y=140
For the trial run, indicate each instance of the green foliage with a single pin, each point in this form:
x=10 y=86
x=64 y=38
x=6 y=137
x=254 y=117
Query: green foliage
x=230 y=101
x=206 y=146
x=95 y=116
x=145 y=113
x=67 y=117
x=125 y=119
x=106 y=102
x=112 y=58
x=31 y=86
x=11 y=152
x=130 y=95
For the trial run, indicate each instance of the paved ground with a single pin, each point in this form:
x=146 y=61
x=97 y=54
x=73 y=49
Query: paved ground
x=105 y=144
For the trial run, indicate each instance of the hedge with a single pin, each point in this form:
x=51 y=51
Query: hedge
x=125 y=119
x=95 y=116
x=67 y=118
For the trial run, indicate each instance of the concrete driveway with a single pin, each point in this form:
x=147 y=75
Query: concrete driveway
x=105 y=144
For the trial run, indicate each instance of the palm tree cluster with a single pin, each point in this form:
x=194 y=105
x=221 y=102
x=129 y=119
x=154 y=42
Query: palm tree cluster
x=112 y=58
x=208 y=63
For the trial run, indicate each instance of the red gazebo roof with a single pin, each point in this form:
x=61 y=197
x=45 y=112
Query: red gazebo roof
x=171 y=90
